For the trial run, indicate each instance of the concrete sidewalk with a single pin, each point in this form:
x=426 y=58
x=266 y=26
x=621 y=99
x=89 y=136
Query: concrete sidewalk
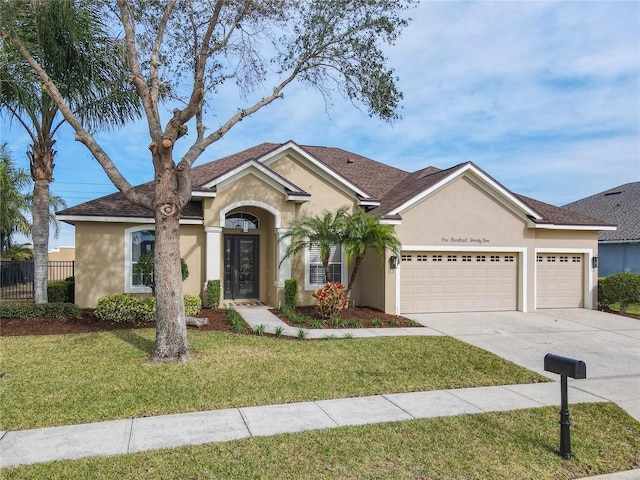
x=169 y=431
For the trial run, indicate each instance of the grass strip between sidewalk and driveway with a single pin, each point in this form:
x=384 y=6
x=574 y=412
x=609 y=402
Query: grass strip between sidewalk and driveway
x=82 y=378
x=518 y=444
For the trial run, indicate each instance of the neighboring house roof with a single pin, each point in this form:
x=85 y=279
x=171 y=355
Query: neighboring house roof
x=382 y=188
x=619 y=206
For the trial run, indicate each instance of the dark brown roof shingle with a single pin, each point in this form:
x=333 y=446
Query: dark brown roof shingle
x=391 y=186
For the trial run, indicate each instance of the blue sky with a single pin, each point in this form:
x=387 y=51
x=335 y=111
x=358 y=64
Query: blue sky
x=544 y=96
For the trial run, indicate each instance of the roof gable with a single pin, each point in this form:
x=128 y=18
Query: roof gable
x=257 y=169
x=424 y=183
x=320 y=168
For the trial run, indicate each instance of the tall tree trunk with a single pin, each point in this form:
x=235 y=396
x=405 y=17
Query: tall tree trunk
x=171 y=329
x=354 y=273
x=40 y=236
x=41 y=164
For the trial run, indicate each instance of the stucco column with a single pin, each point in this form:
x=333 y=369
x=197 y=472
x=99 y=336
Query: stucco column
x=212 y=253
x=284 y=268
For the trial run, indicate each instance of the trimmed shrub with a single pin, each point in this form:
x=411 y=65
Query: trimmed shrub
x=130 y=309
x=290 y=293
x=331 y=299
x=61 y=291
x=622 y=288
x=192 y=305
x=126 y=308
x=45 y=310
x=213 y=293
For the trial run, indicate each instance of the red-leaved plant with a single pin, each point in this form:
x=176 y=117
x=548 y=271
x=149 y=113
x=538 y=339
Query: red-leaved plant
x=331 y=299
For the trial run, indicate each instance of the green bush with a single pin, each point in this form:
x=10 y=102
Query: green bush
x=128 y=308
x=44 y=310
x=213 y=293
x=61 y=291
x=622 y=288
x=290 y=293
x=192 y=305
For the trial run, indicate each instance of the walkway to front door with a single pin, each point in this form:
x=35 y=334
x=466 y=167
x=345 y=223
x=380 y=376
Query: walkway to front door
x=241 y=266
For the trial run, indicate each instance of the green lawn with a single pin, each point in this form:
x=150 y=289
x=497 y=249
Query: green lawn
x=69 y=379
x=494 y=446
x=633 y=308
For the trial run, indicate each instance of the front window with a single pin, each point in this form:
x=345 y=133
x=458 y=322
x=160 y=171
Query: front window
x=138 y=241
x=315 y=276
x=142 y=242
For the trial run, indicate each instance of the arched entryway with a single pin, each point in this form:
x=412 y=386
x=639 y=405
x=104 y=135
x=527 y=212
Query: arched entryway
x=244 y=252
x=241 y=263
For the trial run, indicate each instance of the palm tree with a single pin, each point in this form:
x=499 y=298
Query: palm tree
x=70 y=39
x=14 y=203
x=323 y=232
x=365 y=232
x=20 y=252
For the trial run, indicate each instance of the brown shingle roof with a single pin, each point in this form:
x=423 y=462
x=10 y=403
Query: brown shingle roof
x=392 y=186
x=373 y=177
x=559 y=215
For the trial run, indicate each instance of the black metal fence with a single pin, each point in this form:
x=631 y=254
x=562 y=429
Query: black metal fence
x=16 y=277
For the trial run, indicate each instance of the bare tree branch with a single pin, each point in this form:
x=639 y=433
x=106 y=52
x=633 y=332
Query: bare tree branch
x=150 y=108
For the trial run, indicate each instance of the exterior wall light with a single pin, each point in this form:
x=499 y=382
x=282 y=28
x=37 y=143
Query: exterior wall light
x=393 y=262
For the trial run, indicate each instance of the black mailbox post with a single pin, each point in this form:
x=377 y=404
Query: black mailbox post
x=565 y=367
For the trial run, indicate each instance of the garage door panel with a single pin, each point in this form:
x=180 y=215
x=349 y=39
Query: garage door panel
x=467 y=288
x=458 y=282
x=559 y=281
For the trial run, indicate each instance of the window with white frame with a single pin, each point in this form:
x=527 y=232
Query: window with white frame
x=138 y=241
x=242 y=221
x=315 y=276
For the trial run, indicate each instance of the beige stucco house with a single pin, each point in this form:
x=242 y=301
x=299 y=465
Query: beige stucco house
x=468 y=243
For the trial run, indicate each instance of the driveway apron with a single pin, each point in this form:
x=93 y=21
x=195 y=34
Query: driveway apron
x=609 y=345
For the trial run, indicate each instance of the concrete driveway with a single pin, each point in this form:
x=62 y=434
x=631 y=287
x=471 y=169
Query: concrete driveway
x=608 y=344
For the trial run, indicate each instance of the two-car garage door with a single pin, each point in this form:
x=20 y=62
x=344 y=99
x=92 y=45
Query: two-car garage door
x=458 y=282
x=477 y=282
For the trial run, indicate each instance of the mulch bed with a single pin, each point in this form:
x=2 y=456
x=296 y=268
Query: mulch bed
x=88 y=322
x=366 y=318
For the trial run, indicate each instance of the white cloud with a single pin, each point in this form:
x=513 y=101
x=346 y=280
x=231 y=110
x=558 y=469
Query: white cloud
x=544 y=96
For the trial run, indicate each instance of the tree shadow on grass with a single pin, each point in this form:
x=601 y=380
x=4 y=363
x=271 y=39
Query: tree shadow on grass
x=132 y=337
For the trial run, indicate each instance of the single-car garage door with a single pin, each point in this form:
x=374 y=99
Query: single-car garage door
x=458 y=282
x=560 y=280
